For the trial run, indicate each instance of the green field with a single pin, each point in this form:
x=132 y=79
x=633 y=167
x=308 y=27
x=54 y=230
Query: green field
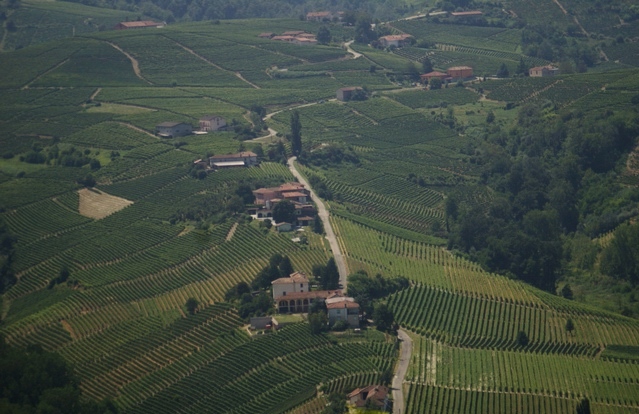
x=89 y=104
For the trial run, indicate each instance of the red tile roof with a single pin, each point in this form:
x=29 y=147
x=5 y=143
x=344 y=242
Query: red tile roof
x=344 y=304
x=297 y=277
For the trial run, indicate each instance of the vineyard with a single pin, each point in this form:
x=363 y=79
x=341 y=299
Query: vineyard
x=132 y=252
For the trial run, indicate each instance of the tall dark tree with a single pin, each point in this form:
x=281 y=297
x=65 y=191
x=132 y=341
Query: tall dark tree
x=331 y=275
x=296 y=133
x=286 y=268
x=191 y=305
x=522 y=68
x=570 y=326
x=503 y=72
x=324 y=35
x=383 y=317
x=284 y=212
x=427 y=65
x=318 y=227
x=584 y=406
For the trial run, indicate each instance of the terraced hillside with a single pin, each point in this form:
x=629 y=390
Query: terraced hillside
x=86 y=108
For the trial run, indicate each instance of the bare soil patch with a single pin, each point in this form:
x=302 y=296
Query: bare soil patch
x=97 y=204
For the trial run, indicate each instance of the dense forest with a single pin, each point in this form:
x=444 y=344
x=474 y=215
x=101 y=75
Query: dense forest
x=556 y=178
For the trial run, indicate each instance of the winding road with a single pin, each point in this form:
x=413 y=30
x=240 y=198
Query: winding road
x=328 y=228
x=405 y=352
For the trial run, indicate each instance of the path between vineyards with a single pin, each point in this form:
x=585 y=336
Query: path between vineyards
x=328 y=228
x=405 y=351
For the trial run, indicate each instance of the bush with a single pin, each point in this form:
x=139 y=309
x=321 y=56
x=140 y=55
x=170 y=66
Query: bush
x=340 y=326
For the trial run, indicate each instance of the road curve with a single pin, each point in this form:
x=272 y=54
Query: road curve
x=323 y=214
x=405 y=351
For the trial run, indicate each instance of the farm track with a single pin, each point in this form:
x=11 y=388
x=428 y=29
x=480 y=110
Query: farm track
x=194 y=53
x=136 y=128
x=94 y=94
x=405 y=352
x=44 y=73
x=328 y=228
x=231 y=232
x=134 y=62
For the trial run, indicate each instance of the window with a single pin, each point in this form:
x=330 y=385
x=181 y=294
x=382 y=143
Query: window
x=284 y=293
x=301 y=285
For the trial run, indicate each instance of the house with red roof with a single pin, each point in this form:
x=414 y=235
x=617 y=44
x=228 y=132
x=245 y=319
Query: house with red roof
x=378 y=394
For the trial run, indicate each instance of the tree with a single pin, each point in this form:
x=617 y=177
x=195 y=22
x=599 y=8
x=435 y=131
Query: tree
x=330 y=278
x=324 y=35
x=584 y=406
x=435 y=83
x=412 y=71
x=566 y=291
x=427 y=66
x=284 y=212
x=570 y=326
x=383 y=317
x=191 y=305
x=522 y=338
x=503 y=71
x=296 y=133
x=522 y=68
x=490 y=118
x=336 y=404
x=286 y=268
x=318 y=322
x=318 y=227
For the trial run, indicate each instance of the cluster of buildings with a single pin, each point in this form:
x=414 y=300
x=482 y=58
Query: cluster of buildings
x=543 y=71
x=141 y=24
x=324 y=16
x=395 y=40
x=209 y=123
x=296 y=37
x=453 y=73
x=296 y=193
x=293 y=294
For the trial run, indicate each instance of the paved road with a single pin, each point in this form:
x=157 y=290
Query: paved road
x=323 y=214
x=405 y=351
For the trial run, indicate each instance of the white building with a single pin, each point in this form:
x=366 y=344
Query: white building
x=212 y=123
x=343 y=308
x=295 y=283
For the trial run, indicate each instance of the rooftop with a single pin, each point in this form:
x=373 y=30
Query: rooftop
x=210 y=117
x=467 y=13
x=245 y=154
x=297 y=277
x=142 y=23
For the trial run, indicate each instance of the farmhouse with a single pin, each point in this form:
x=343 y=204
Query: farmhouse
x=543 y=71
x=173 y=129
x=346 y=94
x=138 y=25
x=241 y=159
x=293 y=33
x=342 y=308
x=294 y=192
x=293 y=295
x=376 y=393
x=212 y=123
x=460 y=72
x=321 y=16
x=395 y=40
x=426 y=77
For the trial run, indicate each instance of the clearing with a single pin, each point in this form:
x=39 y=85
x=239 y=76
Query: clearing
x=97 y=204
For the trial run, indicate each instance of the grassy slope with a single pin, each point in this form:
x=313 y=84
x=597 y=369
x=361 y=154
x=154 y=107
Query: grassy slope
x=136 y=270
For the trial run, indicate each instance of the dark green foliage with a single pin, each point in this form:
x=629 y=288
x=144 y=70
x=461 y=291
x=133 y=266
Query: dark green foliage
x=296 y=133
x=620 y=258
x=62 y=277
x=324 y=35
x=328 y=156
x=257 y=305
x=522 y=338
x=317 y=322
x=320 y=187
x=583 y=407
x=284 y=212
x=7 y=241
x=522 y=68
x=365 y=289
x=427 y=65
x=435 y=83
x=383 y=318
x=277 y=265
x=36 y=381
x=566 y=292
x=336 y=404
x=502 y=72
x=328 y=276
x=87 y=181
x=570 y=326
x=191 y=305
x=237 y=291
x=490 y=118
x=318 y=227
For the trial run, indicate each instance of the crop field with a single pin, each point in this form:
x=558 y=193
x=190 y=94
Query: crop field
x=133 y=260
x=435 y=98
x=491 y=38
